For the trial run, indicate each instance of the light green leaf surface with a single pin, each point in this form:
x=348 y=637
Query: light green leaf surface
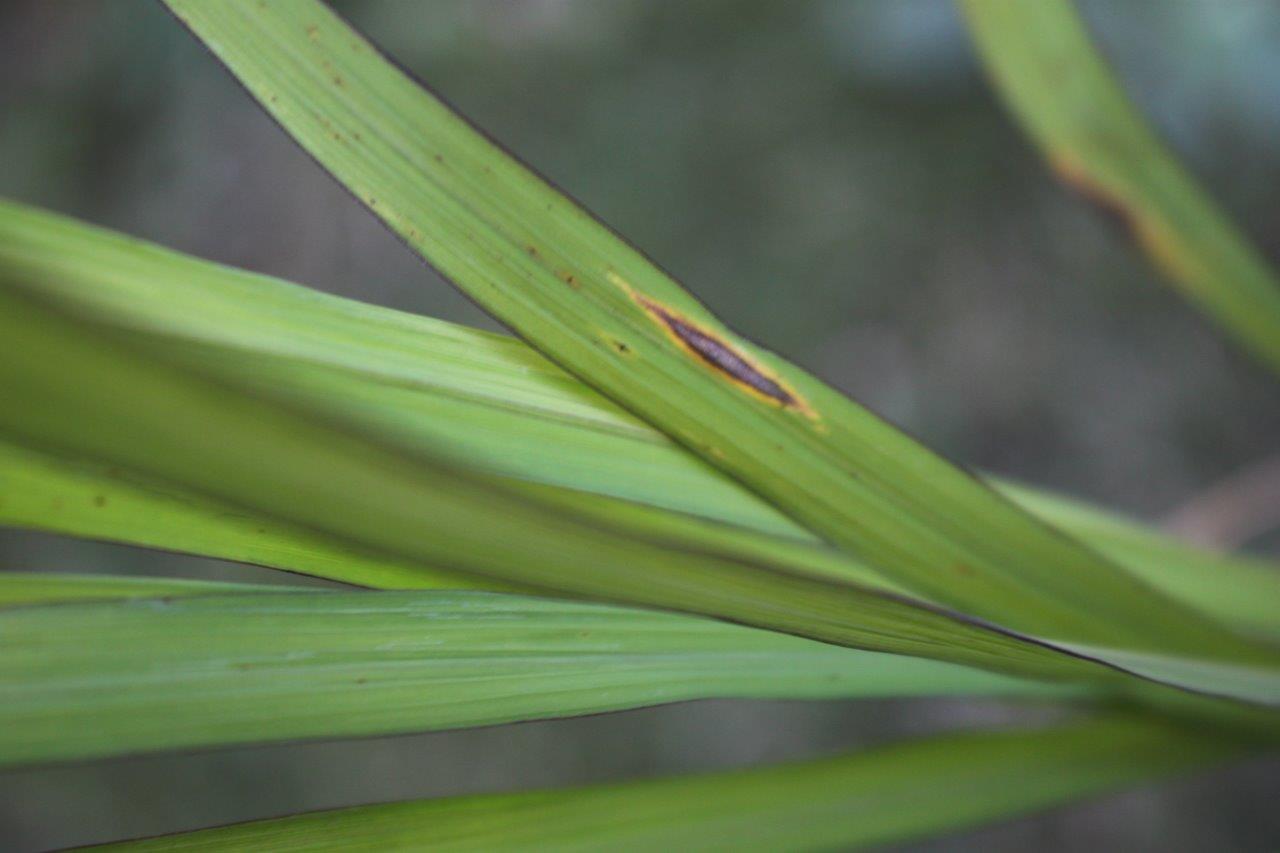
x=84 y=390
x=893 y=794
x=486 y=399
x=43 y=491
x=602 y=310
x=183 y=664
x=1059 y=87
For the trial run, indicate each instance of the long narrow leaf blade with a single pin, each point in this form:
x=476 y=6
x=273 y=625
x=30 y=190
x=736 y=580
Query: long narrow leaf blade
x=493 y=402
x=894 y=794
x=41 y=491
x=1060 y=89
x=177 y=666
x=82 y=388
x=567 y=284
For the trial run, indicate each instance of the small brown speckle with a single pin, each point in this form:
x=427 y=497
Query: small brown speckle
x=99 y=500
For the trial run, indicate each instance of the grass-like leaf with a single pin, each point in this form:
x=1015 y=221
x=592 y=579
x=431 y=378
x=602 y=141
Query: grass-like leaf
x=598 y=307
x=82 y=388
x=489 y=400
x=893 y=794
x=25 y=588
x=1058 y=86
x=183 y=664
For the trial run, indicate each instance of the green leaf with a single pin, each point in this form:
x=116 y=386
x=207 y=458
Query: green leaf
x=23 y=588
x=892 y=794
x=1237 y=589
x=598 y=307
x=82 y=389
x=205 y=664
x=488 y=400
x=1058 y=86
x=42 y=491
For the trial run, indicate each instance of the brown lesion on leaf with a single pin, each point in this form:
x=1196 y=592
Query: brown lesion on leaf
x=1084 y=185
x=716 y=353
x=1152 y=235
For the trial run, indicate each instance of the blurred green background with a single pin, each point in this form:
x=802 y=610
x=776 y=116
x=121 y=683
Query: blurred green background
x=834 y=178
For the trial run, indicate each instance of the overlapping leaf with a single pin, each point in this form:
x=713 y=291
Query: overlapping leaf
x=83 y=389
x=180 y=664
x=488 y=400
x=598 y=307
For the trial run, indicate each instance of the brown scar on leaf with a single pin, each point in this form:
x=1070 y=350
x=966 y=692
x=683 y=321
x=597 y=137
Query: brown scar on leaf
x=1085 y=186
x=1151 y=237
x=719 y=355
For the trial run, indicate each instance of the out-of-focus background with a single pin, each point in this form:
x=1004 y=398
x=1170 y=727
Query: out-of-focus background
x=837 y=180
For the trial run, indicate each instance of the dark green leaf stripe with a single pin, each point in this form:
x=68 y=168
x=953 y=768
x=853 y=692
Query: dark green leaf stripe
x=599 y=308
x=24 y=588
x=893 y=794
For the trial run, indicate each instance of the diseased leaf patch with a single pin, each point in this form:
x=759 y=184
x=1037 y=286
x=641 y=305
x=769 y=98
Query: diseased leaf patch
x=721 y=356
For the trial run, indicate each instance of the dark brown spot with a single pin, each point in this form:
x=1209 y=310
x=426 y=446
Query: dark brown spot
x=99 y=500
x=721 y=355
